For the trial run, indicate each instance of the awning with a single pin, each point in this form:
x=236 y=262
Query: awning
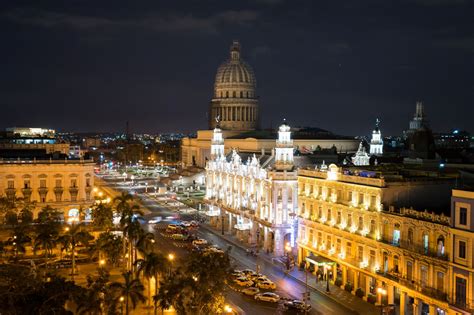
x=319 y=260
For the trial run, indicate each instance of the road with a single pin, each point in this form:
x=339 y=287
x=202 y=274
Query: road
x=286 y=286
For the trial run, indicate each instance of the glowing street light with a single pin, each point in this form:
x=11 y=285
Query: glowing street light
x=228 y=309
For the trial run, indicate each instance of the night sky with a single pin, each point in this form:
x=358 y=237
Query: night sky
x=82 y=65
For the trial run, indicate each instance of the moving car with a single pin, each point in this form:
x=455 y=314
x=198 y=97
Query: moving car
x=266 y=285
x=267 y=297
x=250 y=291
x=237 y=274
x=243 y=282
x=199 y=242
x=297 y=305
x=179 y=237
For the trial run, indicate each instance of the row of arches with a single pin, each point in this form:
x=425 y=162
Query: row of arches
x=236 y=113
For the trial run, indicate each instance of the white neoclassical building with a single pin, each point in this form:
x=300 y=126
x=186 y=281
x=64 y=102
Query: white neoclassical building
x=254 y=197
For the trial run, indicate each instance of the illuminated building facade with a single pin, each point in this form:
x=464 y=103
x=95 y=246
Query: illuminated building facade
x=351 y=225
x=361 y=158
x=251 y=200
x=66 y=185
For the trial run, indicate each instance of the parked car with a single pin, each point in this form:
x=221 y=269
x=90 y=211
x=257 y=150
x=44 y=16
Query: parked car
x=297 y=305
x=247 y=271
x=194 y=223
x=266 y=285
x=267 y=297
x=250 y=291
x=237 y=274
x=243 y=282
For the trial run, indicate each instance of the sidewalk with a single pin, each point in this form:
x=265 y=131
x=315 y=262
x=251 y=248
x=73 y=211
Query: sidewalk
x=336 y=293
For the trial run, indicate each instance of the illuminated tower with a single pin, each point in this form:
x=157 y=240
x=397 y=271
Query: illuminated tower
x=284 y=193
x=376 y=143
x=284 y=149
x=217 y=143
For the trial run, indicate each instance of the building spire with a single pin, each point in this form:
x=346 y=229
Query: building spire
x=235 y=50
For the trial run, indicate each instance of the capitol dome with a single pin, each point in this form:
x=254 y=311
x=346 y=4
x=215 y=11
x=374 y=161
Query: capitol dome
x=234 y=101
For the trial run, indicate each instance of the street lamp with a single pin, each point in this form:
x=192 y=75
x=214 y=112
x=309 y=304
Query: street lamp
x=171 y=258
x=72 y=220
x=121 y=304
x=146 y=188
x=102 y=263
x=228 y=309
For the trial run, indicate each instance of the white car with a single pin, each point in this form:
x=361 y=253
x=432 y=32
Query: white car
x=199 y=242
x=243 y=282
x=267 y=297
x=266 y=285
x=154 y=220
x=250 y=291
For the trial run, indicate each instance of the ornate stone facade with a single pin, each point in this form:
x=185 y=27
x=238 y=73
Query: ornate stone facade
x=255 y=203
x=235 y=100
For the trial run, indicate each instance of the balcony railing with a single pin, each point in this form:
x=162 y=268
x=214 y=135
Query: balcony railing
x=420 y=249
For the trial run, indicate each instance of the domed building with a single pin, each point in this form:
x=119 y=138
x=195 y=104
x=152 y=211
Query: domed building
x=234 y=111
x=235 y=101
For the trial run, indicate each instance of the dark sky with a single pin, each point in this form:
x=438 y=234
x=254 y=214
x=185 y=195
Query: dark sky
x=81 y=65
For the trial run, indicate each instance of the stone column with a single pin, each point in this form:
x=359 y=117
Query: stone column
x=417 y=306
x=334 y=272
x=432 y=309
x=356 y=281
x=403 y=302
x=344 y=276
x=230 y=223
x=367 y=285
x=390 y=294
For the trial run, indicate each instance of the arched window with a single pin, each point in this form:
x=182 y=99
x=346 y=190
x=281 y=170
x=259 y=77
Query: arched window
x=396 y=234
x=440 y=243
x=410 y=236
x=395 y=264
x=372 y=226
x=426 y=243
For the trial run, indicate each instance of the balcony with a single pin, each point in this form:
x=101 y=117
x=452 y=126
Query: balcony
x=419 y=249
x=58 y=190
x=10 y=192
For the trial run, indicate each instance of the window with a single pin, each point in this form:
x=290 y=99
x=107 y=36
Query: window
x=462 y=250
x=311 y=211
x=426 y=243
x=349 y=220
x=320 y=238
x=440 y=281
x=311 y=236
x=361 y=223
x=320 y=213
x=463 y=216
x=396 y=235
x=42 y=183
x=395 y=264
x=409 y=270
x=440 y=246
x=410 y=236
x=349 y=249
x=372 y=258
x=11 y=184
x=74 y=182
x=88 y=182
x=372 y=226
x=339 y=217
x=27 y=184
x=424 y=276
x=360 y=253
x=461 y=285
x=329 y=215
x=328 y=242
x=338 y=245
x=58 y=183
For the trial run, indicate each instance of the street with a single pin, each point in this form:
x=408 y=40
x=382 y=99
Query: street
x=287 y=287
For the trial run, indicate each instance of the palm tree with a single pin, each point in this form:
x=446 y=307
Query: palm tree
x=20 y=237
x=102 y=215
x=146 y=243
x=152 y=265
x=46 y=241
x=133 y=231
x=131 y=290
x=73 y=236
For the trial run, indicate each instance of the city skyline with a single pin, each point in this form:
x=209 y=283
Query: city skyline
x=336 y=66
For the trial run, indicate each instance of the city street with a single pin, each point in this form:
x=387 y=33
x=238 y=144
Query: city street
x=287 y=287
